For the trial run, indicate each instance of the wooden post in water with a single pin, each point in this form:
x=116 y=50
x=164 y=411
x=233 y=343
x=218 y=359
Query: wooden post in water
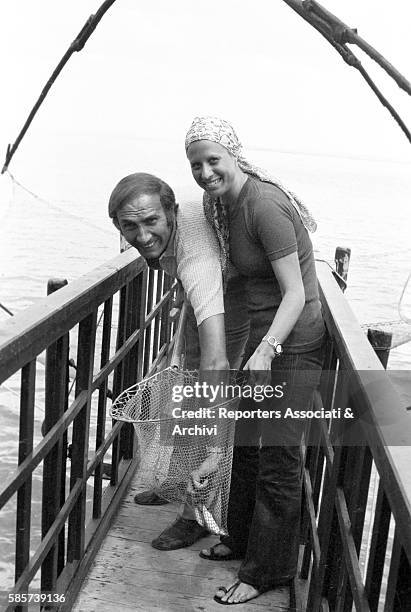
x=342 y=262
x=381 y=342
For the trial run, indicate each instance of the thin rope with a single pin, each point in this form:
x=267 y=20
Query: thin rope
x=9 y=204
x=59 y=208
x=400 y=306
x=381 y=324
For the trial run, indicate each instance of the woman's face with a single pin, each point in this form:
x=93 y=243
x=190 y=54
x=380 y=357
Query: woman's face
x=213 y=168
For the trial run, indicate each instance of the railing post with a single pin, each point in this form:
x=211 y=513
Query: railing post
x=80 y=439
x=314 y=460
x=164 y=328
x=23 y=519
x=102 y=406
x=141 y=309
x=147 y=335
x=118 y=379
x=327 y=515
x=398 y=595
x=378 y=547
x=157 y=321
x=134 y=301
x=54 y=467
x=134 y=308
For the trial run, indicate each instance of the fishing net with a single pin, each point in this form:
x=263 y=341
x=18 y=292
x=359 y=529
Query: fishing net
x=183 y=458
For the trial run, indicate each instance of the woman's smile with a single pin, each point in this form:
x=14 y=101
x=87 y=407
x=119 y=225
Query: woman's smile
x=213 y=183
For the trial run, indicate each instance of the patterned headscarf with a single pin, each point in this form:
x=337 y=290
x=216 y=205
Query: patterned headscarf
x=222 y=132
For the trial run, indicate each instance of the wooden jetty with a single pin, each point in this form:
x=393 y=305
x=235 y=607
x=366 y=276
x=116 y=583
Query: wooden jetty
x=129 y=573
x=356 y=553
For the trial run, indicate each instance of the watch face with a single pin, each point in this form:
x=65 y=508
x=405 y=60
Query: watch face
x=278 y=348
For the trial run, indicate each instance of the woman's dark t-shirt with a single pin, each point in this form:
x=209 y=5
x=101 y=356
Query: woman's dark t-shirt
x=265 y=226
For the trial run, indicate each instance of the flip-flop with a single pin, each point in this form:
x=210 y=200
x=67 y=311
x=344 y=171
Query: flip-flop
x=214 y=557
x=225 y=591
x=233 y=587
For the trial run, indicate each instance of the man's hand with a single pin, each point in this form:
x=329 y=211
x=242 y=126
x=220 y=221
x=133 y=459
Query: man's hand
x=199 y=478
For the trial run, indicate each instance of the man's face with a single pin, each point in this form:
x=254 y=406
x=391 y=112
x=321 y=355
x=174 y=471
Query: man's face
x=145 y=226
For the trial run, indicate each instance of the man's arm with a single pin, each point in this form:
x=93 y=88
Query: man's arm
x=199 y=269
x=212 y=344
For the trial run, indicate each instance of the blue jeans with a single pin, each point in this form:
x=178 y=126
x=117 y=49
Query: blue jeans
x=265 y=493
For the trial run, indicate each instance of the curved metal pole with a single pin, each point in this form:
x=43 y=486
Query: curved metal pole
x=77 y=45
x=334 y=30
x=338 y=34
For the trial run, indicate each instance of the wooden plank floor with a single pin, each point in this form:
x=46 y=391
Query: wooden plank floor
x=128 y=574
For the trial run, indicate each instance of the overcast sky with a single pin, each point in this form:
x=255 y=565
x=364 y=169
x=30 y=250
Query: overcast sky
x=151 y=66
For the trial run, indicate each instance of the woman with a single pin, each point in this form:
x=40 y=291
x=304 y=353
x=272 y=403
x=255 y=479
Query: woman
x=262 y=230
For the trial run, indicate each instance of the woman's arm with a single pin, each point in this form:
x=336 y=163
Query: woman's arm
x=288 y=273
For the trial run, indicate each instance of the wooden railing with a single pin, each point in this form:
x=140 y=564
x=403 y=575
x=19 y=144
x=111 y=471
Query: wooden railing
x=76 y=507
x=357 y=511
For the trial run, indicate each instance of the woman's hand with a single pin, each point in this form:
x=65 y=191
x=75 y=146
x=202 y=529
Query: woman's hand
x=259 y=364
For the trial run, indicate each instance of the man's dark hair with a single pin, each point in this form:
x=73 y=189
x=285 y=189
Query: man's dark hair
x=135 y=185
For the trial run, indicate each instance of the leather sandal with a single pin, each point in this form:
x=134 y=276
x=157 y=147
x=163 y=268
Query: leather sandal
x=180 y=534
x=149 y=498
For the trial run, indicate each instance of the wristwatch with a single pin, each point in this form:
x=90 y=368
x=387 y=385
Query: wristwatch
x=273 y=342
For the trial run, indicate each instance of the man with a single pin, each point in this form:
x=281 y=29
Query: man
x=180 y=241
